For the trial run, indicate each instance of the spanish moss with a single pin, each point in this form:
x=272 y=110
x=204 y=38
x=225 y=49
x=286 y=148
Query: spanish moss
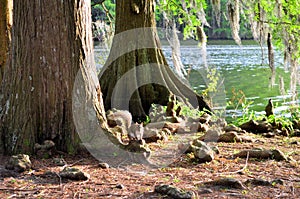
x=202 y=43
x=173 y=40
x=233 y=9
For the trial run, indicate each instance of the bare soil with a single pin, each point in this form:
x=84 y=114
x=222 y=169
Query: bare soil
x=136 y=182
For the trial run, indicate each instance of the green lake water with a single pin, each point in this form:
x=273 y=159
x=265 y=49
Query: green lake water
x=240 y=68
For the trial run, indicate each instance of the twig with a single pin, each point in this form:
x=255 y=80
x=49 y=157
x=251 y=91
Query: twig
x=60 y=182
x=70 y=165
x=74 y=196
x=12 y=189
x=240 y=170
x=109 y=195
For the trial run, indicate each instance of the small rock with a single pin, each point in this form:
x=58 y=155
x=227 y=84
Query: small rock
x=184 y=130
x=205 y=191
x=192 y=120
x=120 y=186
x=230 y=136
x=277 y=132
x=269 y=135
x=103 y=165
x=295 y=142
x=173 y=192
x=5 y=173
x=172 y=126
x=202 y=152
x=232 y=128
x=44 y=150
x=256 y=126
x=73 y=173
x=212 y=135
x=47 y=145
x=258 y=182
x=19 y=163
x=227 y=183
x=59 y=161
x=193 y=127
x=247 y=138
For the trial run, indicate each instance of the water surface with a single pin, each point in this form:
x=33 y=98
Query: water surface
x=242 y=69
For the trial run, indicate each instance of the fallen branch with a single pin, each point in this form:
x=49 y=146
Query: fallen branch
x=240 y=170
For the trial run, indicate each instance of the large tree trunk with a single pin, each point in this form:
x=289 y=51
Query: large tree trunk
x=136 y=63
x=5 y=25
x=51 y=42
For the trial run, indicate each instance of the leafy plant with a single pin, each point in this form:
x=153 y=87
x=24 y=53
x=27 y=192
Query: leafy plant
x=190 y=112
x=285 y=121
x=239 y=101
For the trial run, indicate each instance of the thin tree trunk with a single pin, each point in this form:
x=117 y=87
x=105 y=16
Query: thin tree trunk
x=5 y=26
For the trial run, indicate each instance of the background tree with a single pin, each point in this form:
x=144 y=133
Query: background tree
x=5 y=25
x=51 y=42
x=138 y=18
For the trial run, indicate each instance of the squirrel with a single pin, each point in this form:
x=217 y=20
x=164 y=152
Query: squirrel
x=136 y=132
x=123 y=119
x=119 y=117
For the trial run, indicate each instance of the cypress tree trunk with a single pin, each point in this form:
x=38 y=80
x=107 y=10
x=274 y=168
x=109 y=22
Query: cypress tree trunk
x=51 y=42
x=136 y=63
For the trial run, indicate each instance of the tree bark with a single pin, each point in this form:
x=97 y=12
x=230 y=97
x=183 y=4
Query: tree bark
x=136 y=63
x=51 y=42
x=5 y=25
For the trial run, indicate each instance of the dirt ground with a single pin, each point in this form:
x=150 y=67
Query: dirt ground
x=136 y=182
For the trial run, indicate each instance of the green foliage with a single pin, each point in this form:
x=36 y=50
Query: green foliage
x=282 y=18
x=186 y=14
x=99 y=13
x=185 y=110
x=285 y=121
x=213 y=78
x=190 y=112
x=239 y=101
